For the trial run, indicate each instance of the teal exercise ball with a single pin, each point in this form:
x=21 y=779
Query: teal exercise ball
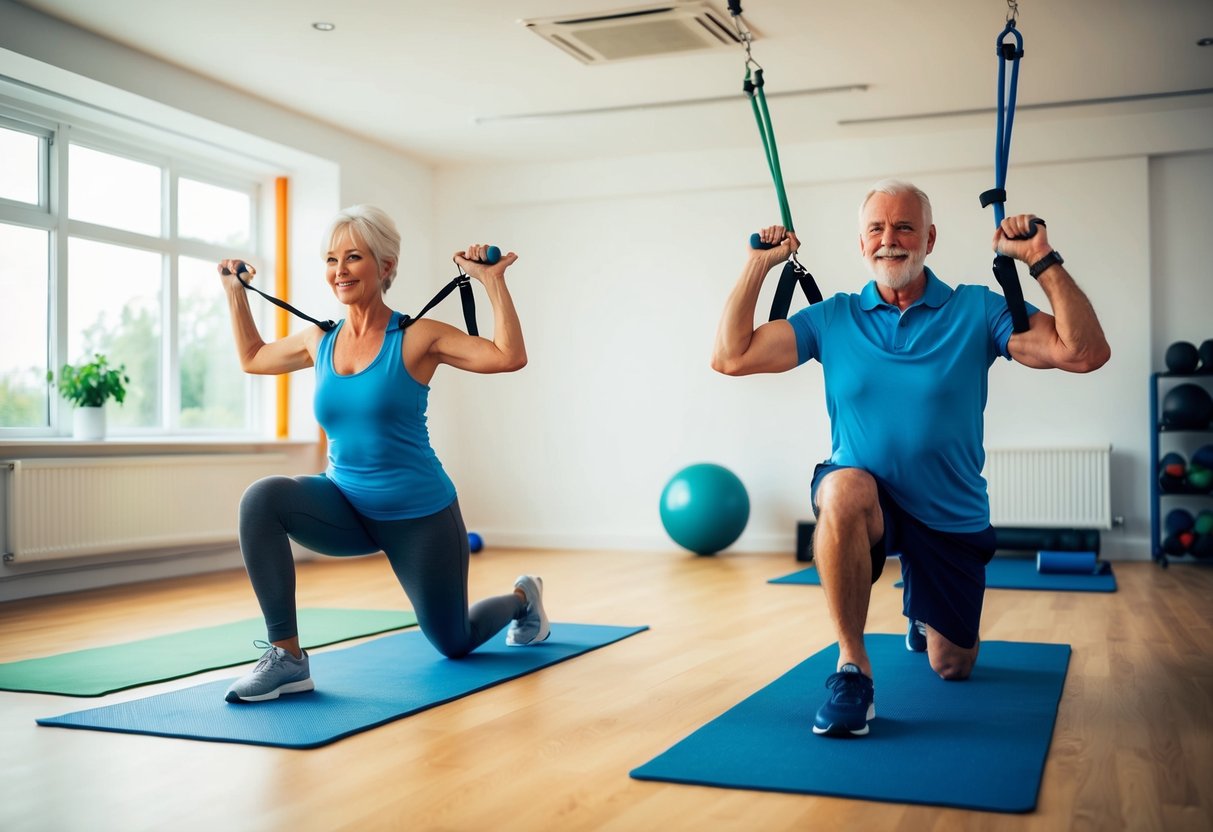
x=704 y=508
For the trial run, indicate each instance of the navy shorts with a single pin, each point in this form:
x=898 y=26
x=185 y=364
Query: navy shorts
x=944 y=573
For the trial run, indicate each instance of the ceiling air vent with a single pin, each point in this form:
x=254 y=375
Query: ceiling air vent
x=637 y=32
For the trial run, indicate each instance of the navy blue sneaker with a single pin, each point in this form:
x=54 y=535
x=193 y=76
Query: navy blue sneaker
x=916 y=637
x=850 y=706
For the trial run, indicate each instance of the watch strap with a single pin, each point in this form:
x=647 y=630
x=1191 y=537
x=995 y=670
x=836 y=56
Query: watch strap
x=1053 y=258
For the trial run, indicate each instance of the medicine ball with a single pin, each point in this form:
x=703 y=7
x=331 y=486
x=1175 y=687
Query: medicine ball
x=1200 y=478
x=1187 y=406
x=1202 y=456
x=1171 y=472
x=1179 y=520
x=1206 y=356
x=1204 y=523
x=1182 y=357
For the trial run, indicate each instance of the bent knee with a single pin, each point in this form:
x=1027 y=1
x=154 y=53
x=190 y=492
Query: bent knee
x=952 y=668
x=848 y=487
x=264 y=494
x=450 y=646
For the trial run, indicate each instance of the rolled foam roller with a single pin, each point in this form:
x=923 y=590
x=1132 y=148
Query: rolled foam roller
x=1049 y=562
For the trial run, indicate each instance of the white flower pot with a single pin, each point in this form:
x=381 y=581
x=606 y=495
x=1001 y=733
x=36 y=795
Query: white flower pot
x=88 y=423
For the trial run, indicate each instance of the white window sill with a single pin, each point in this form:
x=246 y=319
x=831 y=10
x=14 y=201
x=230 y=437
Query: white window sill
x=58 y=446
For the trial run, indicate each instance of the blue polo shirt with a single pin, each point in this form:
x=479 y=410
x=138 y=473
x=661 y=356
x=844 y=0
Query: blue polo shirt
x=906 y=392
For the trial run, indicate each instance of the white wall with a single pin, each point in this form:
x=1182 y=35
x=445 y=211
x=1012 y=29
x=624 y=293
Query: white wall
x=626 y=263
x=624 y=268
x=1181 y=225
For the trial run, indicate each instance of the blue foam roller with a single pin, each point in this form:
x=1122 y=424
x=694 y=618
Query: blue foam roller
x=475 y=542
x=1066 y=563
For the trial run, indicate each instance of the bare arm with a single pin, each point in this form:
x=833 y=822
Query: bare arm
x=1071 y=338
x=741 y=349
x=506 y=352
x=294 y=352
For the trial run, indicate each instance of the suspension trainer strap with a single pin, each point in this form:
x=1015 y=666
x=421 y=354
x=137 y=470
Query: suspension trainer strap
x=766 y=131
x=1009 y=52
x=793 y=272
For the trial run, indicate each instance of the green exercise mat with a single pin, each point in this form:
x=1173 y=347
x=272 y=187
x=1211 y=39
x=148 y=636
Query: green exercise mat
x=101 y=670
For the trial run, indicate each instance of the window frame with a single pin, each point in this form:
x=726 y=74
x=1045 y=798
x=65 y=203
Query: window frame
x=52 y=215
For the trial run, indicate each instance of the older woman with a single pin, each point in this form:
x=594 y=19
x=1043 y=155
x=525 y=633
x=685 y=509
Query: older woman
x=384 y=488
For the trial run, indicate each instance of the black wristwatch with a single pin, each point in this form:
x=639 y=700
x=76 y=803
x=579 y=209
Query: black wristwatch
x=1050 y=259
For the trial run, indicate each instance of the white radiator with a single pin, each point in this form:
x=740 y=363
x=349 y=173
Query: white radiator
x=67 y=508
x=1050 y=487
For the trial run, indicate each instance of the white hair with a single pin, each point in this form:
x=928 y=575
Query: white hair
x=374 y=229
x=896 y=187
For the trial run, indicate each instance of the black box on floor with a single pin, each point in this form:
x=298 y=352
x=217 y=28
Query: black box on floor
x=804 y=540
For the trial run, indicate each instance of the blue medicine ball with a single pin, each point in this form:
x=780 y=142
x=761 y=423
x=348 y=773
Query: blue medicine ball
x=475 y=542
x=704 y=508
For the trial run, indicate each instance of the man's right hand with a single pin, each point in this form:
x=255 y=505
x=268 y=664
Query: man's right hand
x=785 y=244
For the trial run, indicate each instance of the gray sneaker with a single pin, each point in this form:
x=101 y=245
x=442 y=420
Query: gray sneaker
x=278 y=672
x=916 y=637
x=533 y=627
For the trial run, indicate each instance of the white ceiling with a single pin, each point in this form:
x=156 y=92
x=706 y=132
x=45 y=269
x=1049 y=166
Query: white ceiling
x=417 y=75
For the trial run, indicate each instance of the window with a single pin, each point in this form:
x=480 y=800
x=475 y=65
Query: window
x=122 y=263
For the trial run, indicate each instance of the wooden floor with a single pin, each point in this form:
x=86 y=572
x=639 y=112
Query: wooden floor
x=1133 y=747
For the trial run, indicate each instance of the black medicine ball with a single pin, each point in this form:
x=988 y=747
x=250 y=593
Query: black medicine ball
x=1206 y=356
x=1182 y=357
x=1187 y=407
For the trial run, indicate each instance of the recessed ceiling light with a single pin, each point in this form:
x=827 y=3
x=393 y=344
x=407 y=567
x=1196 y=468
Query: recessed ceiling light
x=1205 y=42
x=324 y=27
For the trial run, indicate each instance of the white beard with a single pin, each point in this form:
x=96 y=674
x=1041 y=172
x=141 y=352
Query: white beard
x=893 y=275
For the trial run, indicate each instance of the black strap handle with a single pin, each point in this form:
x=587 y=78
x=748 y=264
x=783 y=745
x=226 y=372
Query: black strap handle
x=1008 y=278
x=793 y=274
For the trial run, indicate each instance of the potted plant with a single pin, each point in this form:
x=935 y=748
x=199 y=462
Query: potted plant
x=89 y=386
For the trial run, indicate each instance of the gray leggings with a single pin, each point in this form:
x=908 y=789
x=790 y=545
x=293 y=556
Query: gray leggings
x=428 y=554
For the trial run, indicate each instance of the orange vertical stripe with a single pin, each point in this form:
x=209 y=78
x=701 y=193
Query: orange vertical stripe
x=282 y=288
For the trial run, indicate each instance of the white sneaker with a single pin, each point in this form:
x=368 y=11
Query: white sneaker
x=533 y=627
x=278 y=672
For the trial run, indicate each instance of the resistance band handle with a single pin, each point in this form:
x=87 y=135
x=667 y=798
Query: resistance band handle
x=757 y=244
x=1031 y=229
x=1008 y=279
x=793 y=274
x=491 y=256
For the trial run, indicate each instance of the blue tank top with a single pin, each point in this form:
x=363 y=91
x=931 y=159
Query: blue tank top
x=379 y=447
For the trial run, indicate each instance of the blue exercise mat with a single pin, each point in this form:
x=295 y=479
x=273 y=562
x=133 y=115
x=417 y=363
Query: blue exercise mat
x=357 y=688
x=803 y=577
x=979 y=744
x=1020 y=573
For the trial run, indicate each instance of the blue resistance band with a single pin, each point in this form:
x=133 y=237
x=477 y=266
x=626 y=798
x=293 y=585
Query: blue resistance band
x=1004 y=267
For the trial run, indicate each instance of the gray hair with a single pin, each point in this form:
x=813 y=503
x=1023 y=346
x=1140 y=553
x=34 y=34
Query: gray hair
x=896 y=187
x=375 y=229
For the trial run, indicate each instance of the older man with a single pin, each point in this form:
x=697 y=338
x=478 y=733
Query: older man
x=906 y=362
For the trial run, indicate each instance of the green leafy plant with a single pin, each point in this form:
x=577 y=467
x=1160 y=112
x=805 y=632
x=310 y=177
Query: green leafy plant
x=92 y=384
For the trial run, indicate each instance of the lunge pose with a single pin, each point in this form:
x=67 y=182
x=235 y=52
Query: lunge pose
x=384 y=488
x=906 y=364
